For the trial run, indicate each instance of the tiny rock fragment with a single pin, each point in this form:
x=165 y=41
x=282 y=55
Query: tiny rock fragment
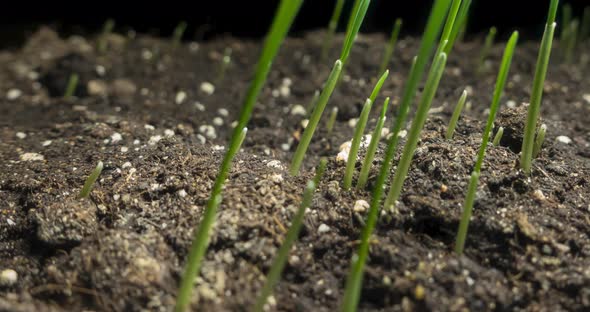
x=207 y=88
x=298 y=110
x=564 y=139
x=323 y=228
x=8 y=277
x=360 y=205
x=123 y=87
x=538 y=195
x=21 y=135
x=180 y=97
x=32 y=157
x=97 y=87
x=13 y=94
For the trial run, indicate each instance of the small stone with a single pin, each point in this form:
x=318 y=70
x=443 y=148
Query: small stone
x=419 y=292
x=587 y=97
x=116 y=137
x=298 y=110
x=360 y=205
x=123 y=87
x=13 y=94
x=223 y=112
x=97 y=87
x=323 y=228
x=538 y=195
x=199 y=106
x=207 y=87
x=154 y=140
x=564 y=139
x=181 y=193
x=304 y=123
x=100 y=70
x=180 y=97
x=126 y=165
x=511 y=104
x=352 y=122
x=8 y=277
x=46 y=143
x=32 y=157
x=208 y=131
x=276 y=178
x=147 y=54
x=169 y=133
x=124 y=149
x=443 y=188
x=21 y=135
x=275 y=164
x=284 y=91
x=402 y=134
x=217 y=121
x=149 y=127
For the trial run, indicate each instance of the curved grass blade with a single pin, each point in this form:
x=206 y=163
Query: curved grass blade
x=354 y=24
x=177 y=34
x=71 y=87
x=356 y=142
x=391 y=45
x=539 y=140
x=85 y=192
x=456 y=115
x=372 y=148
x=498 y=136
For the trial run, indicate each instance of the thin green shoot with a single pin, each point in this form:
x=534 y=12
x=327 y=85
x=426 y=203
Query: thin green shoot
x=372 y=148
x=178 y=33
x=566 y=19
x=456 y=115
x=225 y=62
x=585 y=26
x=537 y=91
x=391 y=45
x=356 y=142
x=72 y=85
x=485 y=51
x=327 y=44
x=448 y=28
x=332 y=120
x=354 y=24
x=459 y=26
x=312 y=102
x=539 y=140
x=498 y=136
x=354 y=279
x=278 y=264
x=107 y=29
x=320 y=171
x=572 y=38
x=414 y=134
x=282 y=21
x=85 y=192
x=378 y=86
x=466 y=215
x=315 y=118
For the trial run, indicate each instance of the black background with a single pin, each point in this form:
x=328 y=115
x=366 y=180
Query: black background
x=251 y=18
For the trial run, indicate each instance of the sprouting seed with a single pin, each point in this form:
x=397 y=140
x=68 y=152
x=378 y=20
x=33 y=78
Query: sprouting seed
x=332 y=120
x=485 y=51
x=107 y=28
x=225 y=62
x=177 y=34
x=572 y=39
x=372 y=148
x=391 y=45
x=466 y=215
x=354 y=279
x=459 y=26
x=498 y=136
x=456 y=115
x=539 y=140
x=282 y=21
x=85 y=192
x=320 y=171
x=356 y=142
x=537 y=91
x=327 y=44
x=71 y=87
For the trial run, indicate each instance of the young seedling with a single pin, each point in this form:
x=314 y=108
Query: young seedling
x=85 y=192
x=498 y=136
x=356 y=142
x=177 y=34
x=354 y=279
x=282 y=21
x=572 y=39
x=71 y=87
x=332 y=29
x=320 y=171
x=566 y=19
x=372 y=148
x=332 y=120
x=537 y=91
x=485 y=51
x=585 y=26
x=225 y=62
x=356 y=19
x=456 y=115
x=312 y=102
x=107 y=29
x=391 y=45
x=499 y=89
x=459 y=26
x=539 y=140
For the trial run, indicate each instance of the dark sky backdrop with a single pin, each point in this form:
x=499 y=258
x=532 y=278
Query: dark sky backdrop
x=251 y=18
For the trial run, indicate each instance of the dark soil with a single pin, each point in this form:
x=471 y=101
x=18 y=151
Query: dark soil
x=140 y=108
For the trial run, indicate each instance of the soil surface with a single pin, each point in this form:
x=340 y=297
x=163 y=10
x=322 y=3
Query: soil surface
x=159 y=117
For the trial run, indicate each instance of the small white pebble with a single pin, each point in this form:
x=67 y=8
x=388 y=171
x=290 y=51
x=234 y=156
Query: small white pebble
x=276 y=178
x=124 y=149
x=587 y=97
x=100 y=70
x=193 y=46
x=234 y=124
x=32 y=157
x=344 y=151
x=154 y=140
x=181 y=193
x=274 y=164
x=402 y=134
x=126 y=165
x=538 y=194
x=180 y=97
x=287 y=82
x=169 y=133
x=207 y=87
x=147 y=54
x=323 y=228
x=149 y=127
x=116 y=197
x=136 y=142
x=208 y=131
x=298 y=110
x=13 y=94
x=275 y=93
x=304 y=123
x=384 y=132
x=285 y=147
x=217 y=121
x=199 y=106
x=46 y=143
x=116 y=137
x=352 y=122
x=10 y=222
x=284 y=91
x=511 y=104
x=361 y=205
x=8 y=277
x=218 y=147
x=21 y=135
x=201 y=139
x=564 y=139
x=223 y=112
x=154 y=186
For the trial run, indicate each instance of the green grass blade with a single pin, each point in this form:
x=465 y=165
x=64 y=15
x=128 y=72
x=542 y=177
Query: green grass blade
x=566 y=19
x=327 y=44
x=354 y=26
x=391 y=45
x=414 y=134
x=71 y=87
x=320 y=171
x=466 y=215
x=332 y=120
x=459 y=25
x=85 y=192
x=312 y=102
x=572 y=39
x=485 y=51
x=356 y=142
x=177 y=34
x=107 y=28
x=456 y=115
x=378 y=86
x=537 y=91
x=498 y=136
x=280 y=26
x=372 y=148
x=315 y=118
x=498 y=90
x=539 y=140
x=448 y=29
x=274 y=274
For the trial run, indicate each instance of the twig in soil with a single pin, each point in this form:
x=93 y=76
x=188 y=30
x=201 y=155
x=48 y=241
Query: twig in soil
x=459 y=27
x=485 y=51
x=71 y=87
x=225 y=62
x=332 y=120
x=372 y=148
x=498 y=136
x=282 y=21
x=355 y=144
x=456 y=115
x=537 y=91
x=391 y=45
x=90 y=181
x=107 y=28
x=331 y=29
x=177 y=34
x=539 y=140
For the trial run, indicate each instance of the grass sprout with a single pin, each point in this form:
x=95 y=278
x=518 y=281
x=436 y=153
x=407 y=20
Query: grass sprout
x=391 y=45
x=85 y=192
x=327 y=44
x=332 y=120
x=354 y=24
x=282 y=21
x=71 y=87
x=537 y=91
x=485 y=51
x=107 y=29
x=225 y=62
x=320 y=171
x=539 y=139
x=356 y=142
x=456 y=115
x=372 y=148
x=178 y=33
x=498 y=136
x=354 y=279
x=471 y=190
x=459 y=26
x=571 y=40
